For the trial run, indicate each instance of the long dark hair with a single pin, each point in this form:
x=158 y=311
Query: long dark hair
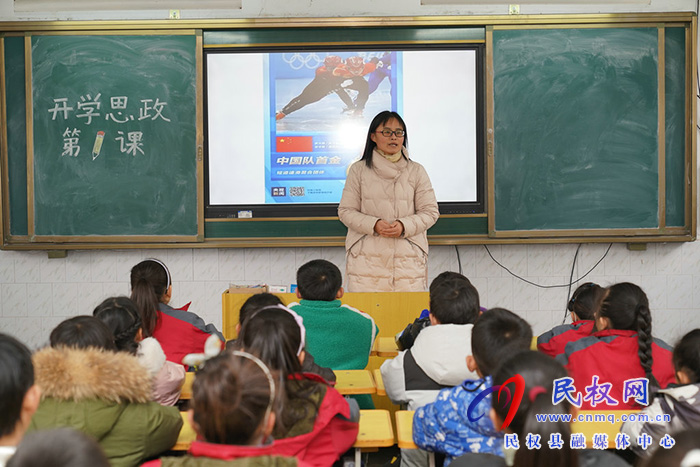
x=230 y=397
x=627 y=307
x=150 y=280
x=380 y=119
x=122 y=318
x=539 y=372
x=274 y=336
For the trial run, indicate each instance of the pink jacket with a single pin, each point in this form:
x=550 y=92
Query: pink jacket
x=390 y=191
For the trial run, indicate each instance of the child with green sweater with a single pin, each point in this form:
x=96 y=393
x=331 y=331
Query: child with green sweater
x=339 y=336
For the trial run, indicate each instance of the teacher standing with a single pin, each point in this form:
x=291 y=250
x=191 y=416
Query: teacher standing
x=388 y=204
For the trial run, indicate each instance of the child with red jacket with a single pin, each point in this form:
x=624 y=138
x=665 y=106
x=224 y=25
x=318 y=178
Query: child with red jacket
x=622 y=350
x=583 y=304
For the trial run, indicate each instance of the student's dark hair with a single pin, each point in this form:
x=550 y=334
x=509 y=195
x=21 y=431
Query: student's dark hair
x=257 y=302
x=539 y=372
x=274 y=336
x=686 y=355
x=230 y=397
x=16 y=377
x=150 y=280
x=585 y=300
x=380 y=119
x=122 y=318
x=82 y=332
x=454 y=302
x=59 y=447
x=627 y=307
x=685 y=441
x=497 y=334
x=447 y=276
x=319 y=280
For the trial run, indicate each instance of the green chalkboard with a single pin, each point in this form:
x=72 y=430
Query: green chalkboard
x=114 y=135
x=576 y=117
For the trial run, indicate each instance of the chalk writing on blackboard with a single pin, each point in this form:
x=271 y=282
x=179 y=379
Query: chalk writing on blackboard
x=88 y=108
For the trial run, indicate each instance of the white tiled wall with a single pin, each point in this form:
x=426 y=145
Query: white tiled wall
x=36 y=292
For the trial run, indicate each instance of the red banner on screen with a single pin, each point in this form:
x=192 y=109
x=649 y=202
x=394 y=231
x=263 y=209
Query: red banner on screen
x=294 y=144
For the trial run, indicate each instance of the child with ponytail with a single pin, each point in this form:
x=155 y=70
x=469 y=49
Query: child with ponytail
x=537 y=372
x=621 y=349
x=122 y=318
x=233 y=402
x=314 y=422
x=179 y=331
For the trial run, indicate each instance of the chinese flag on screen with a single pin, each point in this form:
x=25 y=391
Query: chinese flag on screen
x=294 y=144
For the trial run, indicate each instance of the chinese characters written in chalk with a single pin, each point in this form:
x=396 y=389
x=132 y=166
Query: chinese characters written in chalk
x=88 y=109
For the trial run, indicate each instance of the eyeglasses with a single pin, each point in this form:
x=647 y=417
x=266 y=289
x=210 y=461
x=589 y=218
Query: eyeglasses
x=387 y=132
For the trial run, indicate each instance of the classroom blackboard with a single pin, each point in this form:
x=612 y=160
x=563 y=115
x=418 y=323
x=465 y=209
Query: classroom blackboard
x=576 y=141
x=114 y=148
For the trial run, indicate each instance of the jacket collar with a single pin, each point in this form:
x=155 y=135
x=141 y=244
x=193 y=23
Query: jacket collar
x=386 y=169
x=79 y=374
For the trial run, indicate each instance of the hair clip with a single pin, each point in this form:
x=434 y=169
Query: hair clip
x=536 y=391
x=167 y=272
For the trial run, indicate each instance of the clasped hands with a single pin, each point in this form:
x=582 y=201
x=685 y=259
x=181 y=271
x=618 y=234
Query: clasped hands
x=386 y=229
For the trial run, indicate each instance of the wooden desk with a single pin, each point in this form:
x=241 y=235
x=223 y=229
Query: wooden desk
x=404 y=429
x=404 y=433
x=186 y=391
x=592 y=427
x=386 y=347
x=379 y=382
x=375 y=431
x=354 y=382
x=186 y=436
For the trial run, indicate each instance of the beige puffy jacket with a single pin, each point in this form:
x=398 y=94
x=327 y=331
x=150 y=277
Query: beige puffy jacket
x=390 y=191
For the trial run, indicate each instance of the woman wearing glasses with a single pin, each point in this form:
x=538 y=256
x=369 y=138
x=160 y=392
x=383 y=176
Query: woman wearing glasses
x=388 y=204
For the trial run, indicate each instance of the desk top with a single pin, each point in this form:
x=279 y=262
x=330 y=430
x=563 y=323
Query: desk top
x=187 y=434
x=186 y=390
x=354 y=382
x=386 y=347
x=404 y=429
x=375 y=429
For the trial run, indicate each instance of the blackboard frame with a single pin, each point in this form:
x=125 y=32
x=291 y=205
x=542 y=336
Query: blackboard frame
x=281 y=232
x=193 y=196
x=689 y=225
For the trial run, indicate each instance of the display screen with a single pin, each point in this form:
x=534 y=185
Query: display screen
x=283 y=127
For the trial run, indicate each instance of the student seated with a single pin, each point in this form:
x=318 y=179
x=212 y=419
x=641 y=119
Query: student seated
x=89 y=386
x=339 y=337
x=407 y=337
x=444 y=426
x=60 y=447
x=179 y=332
x=681 y=402
x=437 y=358
x=233 y=401
x=19 y=396
x=583 y=304
x=535 y=373
x=263 y=300
x=314 y=422
x=123 y=319
x=622 y=349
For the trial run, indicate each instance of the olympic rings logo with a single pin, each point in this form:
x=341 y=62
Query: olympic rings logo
x=297 y=61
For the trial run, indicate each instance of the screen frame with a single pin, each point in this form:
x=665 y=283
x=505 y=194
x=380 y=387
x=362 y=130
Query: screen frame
x=311 y=210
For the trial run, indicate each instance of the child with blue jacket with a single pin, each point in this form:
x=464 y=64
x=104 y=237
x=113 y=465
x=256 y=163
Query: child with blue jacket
x=445 y=426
